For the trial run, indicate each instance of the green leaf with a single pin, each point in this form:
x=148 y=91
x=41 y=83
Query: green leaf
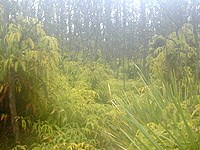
x=23 y=124
x=16 y=65
x=30 y=42
x=5 y=64
x=23 y=64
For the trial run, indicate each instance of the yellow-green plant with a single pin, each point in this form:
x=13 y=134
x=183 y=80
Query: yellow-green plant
x=24 y=65
x=177 y=54
x=160 y=119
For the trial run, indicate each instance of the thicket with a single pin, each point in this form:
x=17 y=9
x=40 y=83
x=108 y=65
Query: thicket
x=67 y=83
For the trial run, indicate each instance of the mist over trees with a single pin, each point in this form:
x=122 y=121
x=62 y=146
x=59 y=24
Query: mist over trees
x=68 y=68
x=113 y=29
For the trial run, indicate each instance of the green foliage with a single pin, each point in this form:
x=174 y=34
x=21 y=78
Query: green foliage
x=65 y=101
x=178 y=55
x=73 y=104
x=57 y=109
x=161 y=118
x=91 y=77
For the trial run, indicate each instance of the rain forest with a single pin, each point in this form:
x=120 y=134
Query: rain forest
x=99 y=74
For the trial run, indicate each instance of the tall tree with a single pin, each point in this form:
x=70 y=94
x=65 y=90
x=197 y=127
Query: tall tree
x=10 y=73
x=195 y=14
x=144 y=39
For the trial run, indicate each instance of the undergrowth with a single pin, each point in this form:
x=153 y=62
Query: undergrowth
x=164 y=116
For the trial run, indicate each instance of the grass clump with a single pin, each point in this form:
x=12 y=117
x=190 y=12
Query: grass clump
x=161 y=117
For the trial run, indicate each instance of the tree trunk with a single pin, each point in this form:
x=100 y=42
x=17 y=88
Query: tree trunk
x=144 y=36
x=195 y=32
x=197 y=53
x=12 y=105
x=11 y=82
x=124 y=75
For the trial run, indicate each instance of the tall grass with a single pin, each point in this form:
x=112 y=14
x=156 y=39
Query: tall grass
x=159 y=117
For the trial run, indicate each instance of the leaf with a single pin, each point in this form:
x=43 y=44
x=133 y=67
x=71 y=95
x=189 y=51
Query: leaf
x=30 y=42
x=40 y=32
x=19 y=88
x=5 y=64
x=23 y=124
x=4 y=117
x=10 y=63
x=17 y=36
x=1 y=88
x=197 y=108
x=23 y=64
x=16 y=65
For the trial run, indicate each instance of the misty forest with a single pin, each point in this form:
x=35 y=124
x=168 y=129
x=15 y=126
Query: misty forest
x=99 y=74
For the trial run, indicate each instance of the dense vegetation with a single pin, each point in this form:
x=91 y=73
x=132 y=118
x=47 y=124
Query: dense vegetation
x=99 y=74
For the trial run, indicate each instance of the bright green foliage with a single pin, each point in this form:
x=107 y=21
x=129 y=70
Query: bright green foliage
x=160 y=118
x=177 y=55
x=89 y=77
x=68 y=103
x=74 y=116
x=59 y=110
x=73 y=74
